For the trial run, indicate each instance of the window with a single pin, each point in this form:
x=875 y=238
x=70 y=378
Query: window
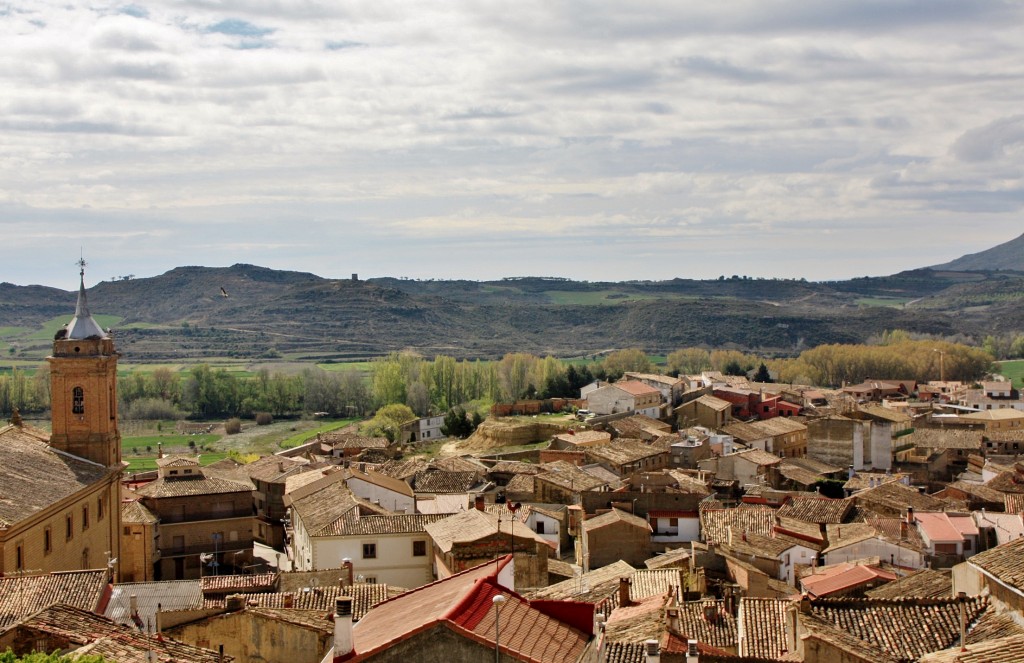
x=540 y=527
x=419 y=548
x=370 y=580
x=77 y=401
x=47 y=541
x=673 y=522
x=127 y=531
x=69 y=527
x=99 y=508
x=369 y=551
x=19 y=558
x=85 y=517
x=178 y=543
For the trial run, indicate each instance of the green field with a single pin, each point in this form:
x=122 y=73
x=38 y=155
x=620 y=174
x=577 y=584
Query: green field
x=305 y=436
x=1013 y=370
x=168 y=441
x=145 y=464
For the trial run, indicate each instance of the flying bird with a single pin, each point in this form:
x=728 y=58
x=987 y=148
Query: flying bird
x=223 y=293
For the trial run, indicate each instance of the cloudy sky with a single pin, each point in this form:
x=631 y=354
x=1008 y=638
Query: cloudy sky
x=480 y=139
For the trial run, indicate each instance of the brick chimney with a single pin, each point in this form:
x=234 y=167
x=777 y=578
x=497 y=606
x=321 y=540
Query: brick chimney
x=478 y=503
x=346 y=573
x=624 y=585
x=289 y=601
x=910 y=515
x=343 y=644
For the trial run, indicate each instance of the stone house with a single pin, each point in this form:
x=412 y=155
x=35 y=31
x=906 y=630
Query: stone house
x=198 y=515
x=625 y=456
x=625 y=396
x=612 y=536
x=995 y=572
x=707 y=411
x=473 y=537
x=139 y=538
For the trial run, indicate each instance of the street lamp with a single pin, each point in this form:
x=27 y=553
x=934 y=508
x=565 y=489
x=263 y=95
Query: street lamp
x=498 y=601
x=942 y=364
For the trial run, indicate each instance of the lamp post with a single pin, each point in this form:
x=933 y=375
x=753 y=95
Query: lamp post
x=942 y=364
x=498 y=601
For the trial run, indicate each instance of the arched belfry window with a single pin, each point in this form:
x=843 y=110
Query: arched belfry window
x=77 y=401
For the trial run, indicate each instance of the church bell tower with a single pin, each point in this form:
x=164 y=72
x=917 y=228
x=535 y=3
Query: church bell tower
x=83 y=388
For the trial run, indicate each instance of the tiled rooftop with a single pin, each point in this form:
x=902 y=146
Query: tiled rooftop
x=23 y=596
x=192 y=487
x=707 y=621
x=166 y=595
x=818 y=510
x=621 y=451
x=615 y=516
x=319 y=510
x=403 y=469
x=715 y=523
x=896 y=625
x=842 y=577
x=1001 y=650
x=238 y=584
x=34 y=475
x=352 y=524
x=465 y=600
x=444 y=481
x=364 y=596
x=114 y=642
x=472 y=525
x=924 y=583
x=1005 y=562
x=762 y=624
x=134 y=512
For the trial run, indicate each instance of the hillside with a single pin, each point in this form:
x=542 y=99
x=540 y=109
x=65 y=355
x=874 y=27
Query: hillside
x=1006 y=256
x=183 y=315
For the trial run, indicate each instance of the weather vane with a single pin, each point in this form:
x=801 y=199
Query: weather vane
x=81 y=264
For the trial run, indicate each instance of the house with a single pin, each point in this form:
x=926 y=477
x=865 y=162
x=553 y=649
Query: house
x=198 y=515
x=844 y=441
x=995 y=572
x=574 y=439
x=350 y=445
x=390 y=493
x=548 y=521
x=995 y=421
x=844 y=580
x=877 y=390
x=748 y=467
x=948 y=538
x=318 y=515
x=74 y=631
x=779 y=436
x=21 y=596
x=671 y=388
x=464 y=540
x=612 y=536
x=850 y=542
x=707 y=411
x=623 y=456
x=60 y=491
x=625 y=396
x=462 y=618
x=716 y=523
x=561 y=483
x=424 y=429
x=269 y=475
x=139 y=542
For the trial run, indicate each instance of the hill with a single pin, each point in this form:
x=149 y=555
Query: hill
x=1006 y=256
x=183 y=315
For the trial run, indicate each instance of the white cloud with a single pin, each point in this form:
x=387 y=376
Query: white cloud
x=613 y=139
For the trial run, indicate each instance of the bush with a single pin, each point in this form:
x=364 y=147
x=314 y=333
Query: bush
x=264 y=419
x=149 y=409
x=233 y=426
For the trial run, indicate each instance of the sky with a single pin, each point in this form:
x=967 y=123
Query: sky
x=480 y=139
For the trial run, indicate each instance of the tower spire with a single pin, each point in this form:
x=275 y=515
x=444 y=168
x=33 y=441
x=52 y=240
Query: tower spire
x=83 y=325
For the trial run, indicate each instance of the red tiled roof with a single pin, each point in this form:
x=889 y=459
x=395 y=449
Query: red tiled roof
x=636 y=388
x=464 y=603
x=845 y=576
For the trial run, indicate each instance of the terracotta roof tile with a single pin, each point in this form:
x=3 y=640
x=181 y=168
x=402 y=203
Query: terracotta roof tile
x=818 y=510
x=896 y=625
x=1005 y=563
x=445 y=482
x=715 y=523
x=615 y=516
x=707 y=621
x=364 y=597
x=34 y=475
x=353 y=524
x=195 y=486
x=22 y=596
x=1001 y=650
x=762 y=626
x=133 y=511
x=237 y=584
x=923 y=583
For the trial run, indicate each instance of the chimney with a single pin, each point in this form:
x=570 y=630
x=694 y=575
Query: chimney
x=910 y=515
x=673 y=619
x=289 y=601
x=343 y=627
x=133 y=604
x=624 y=585
x=159 y=450
x=692 y=653
x=849 y=472
x=478 y=502
x=235 y=602
x=652 y=650
x=280 y=467
x=346 y=576
x=805 y=604
x=711 y=612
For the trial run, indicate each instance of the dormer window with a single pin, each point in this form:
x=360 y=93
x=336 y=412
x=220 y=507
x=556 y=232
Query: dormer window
x=78 y=401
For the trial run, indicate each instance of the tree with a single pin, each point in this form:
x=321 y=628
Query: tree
x=417 y=397
x=457 y=424
x=689 y=361
x=762 y=374
x=39 y=657
x=388 y=421
x=622 y=361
